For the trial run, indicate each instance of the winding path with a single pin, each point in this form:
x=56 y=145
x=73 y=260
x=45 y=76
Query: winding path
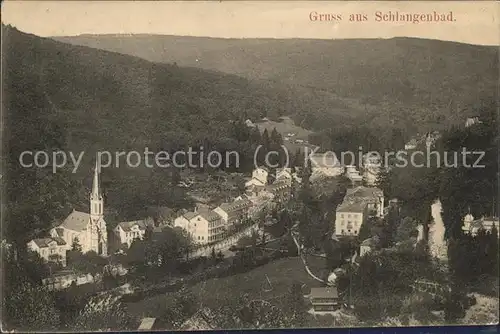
x=299 y=251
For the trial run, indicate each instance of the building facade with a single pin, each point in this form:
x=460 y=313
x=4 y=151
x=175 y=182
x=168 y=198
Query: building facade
x=204 y=226
x=50 y=249
x=127 y=232
x=88 y=229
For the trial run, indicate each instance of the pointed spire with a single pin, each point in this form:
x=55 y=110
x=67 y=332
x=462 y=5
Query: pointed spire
x=95 y=182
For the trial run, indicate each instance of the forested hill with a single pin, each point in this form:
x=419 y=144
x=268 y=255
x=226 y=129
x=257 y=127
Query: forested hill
x=419 y=80
x=73 y=98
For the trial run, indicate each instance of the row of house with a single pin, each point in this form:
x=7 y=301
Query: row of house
x=327 y=165
x=207 y=225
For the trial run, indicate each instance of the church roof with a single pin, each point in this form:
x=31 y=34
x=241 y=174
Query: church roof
x=76 y=221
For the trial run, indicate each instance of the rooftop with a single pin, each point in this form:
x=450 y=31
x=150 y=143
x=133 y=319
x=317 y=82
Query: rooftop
x=324 y=160
x=45 y=242
x=76 y=221
x=324 y=292
x=236 y=205
x=141 y=224
x=358 y=207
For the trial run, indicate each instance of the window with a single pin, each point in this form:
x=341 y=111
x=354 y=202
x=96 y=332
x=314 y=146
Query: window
x=348 y=216
x=341 y=215
x=342 y=231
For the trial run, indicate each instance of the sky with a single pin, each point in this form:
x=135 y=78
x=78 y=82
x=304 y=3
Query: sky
x=475 y=22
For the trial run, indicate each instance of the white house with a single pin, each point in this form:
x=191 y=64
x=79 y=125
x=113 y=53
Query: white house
x=204 y=226
x=50 y=249
x=259 y=177
x=349 y=218
x=89 y=229
x=127 y=232
x=358 y=204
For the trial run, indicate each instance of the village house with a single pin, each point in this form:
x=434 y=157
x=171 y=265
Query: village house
x=50 y=249
x=204 y=226
x=234 y=212
x=358 y=204
x=472 y=226
x=350 y=217
x=325 y=164
x=259 y=177
x=324 y=299
x=127 y=232
x=88 y=229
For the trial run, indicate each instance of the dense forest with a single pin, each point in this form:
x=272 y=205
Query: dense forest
x=409 y=83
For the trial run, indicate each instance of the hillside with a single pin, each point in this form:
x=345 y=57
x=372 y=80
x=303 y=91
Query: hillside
x=424 y=81
x=78 y=99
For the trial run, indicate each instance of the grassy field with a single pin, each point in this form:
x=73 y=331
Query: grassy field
x=214 y=293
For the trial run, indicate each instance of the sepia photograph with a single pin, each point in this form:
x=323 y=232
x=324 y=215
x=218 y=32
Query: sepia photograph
x=249 y=165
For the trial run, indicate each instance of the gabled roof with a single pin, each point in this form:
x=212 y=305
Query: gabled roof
x=76 y=221
x=358 y=207
x=209 y=215
x=364 y=192
x=141 y=224
x=45 y=242
x=190 y=215
x=324 y=292
x=325 y=160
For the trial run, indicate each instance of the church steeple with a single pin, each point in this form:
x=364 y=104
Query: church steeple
x=96 y=202
x=95 y=183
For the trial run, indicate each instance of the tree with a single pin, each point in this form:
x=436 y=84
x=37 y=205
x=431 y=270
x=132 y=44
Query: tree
x=406 y=229
x=75 y=246
x=103 y=313
x=296 y=306
x=26 y=305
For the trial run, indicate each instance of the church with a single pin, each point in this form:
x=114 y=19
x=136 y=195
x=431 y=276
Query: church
x=88 y=229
